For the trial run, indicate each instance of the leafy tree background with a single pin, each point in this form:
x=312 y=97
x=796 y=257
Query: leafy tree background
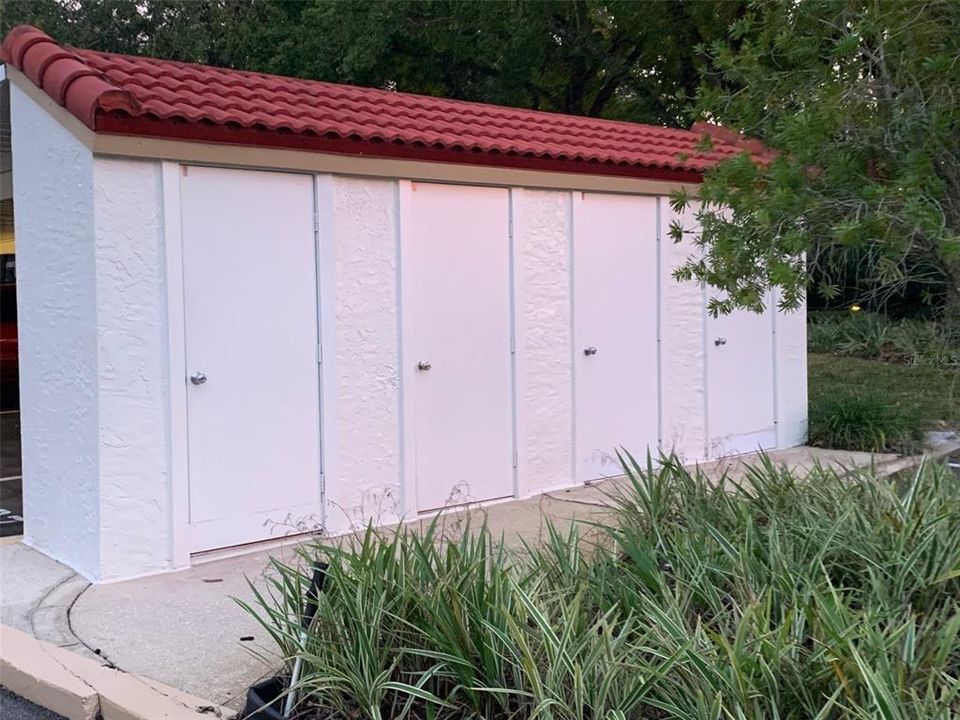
x=862 y=100
x=618 y=59
x=859 y=98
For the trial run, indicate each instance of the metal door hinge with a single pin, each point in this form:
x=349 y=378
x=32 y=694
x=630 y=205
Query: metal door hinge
x=514 y=458
x=320 y=354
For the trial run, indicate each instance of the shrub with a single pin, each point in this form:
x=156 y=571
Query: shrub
x=867 y=335
x=861 y=422
x=828 y=595
x=861 y=334
x=873 y=336
x=826 y=331
x=924 y=342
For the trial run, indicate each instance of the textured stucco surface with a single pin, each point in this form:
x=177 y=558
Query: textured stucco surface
x=97 y=452
x=131 y=335
x=544 y=364
x=682 y=358
x=363 y=477
x=53 y=194
x=791 y=377
x=92 y=343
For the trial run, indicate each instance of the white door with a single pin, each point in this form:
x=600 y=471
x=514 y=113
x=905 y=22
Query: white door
x=740 y=383
x=250 y=305
x=456 y=343
x=615 y=330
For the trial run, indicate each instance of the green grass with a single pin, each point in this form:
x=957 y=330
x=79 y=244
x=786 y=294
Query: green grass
x=929 y=397
x=823 y=596
x=880 y=384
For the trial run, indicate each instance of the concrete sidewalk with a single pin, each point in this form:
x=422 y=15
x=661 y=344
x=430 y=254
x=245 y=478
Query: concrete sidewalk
x=185 y=629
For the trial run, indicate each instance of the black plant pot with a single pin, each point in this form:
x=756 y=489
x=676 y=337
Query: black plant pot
x=264 y=700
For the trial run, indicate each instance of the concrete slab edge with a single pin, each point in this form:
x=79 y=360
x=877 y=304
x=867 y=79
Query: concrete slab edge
x=50 y=618
x=908 y=463
x=83 y=689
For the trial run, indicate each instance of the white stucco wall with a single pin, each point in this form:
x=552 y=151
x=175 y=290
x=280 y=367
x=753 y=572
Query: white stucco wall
x=544 y=351
x=791 y=376
x=57 y=296
x=682 y=352
x=98 y=410
x=132 y=383
x=362 y=453
x=362 y=404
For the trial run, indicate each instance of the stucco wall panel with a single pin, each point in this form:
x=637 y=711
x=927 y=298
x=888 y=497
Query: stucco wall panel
x=544 y=364
x=97 y=411
x=53 y=196
x=363 y=481
x=791 y=377
x=682 y=354
x=131 y=333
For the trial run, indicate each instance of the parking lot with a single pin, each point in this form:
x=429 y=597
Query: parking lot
x=11 y=484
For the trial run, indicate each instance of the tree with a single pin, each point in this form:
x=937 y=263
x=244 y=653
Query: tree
x=175 y=29
x=614 y=58
x=859 y=100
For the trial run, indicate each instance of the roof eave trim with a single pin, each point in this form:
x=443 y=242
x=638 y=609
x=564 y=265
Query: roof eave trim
x=149 y=127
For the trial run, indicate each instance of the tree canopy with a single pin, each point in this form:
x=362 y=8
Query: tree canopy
x=860 y=99
x=857 y=97
x=618 y=58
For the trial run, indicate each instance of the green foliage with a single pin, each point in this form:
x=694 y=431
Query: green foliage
x=870 y=335
x=852 y=421
x=175 y=29
x=612 y=58
x=822 y=596
x=858 y=100
x=861 y=334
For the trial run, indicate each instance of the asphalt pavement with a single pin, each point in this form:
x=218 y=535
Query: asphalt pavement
x=11 y=496
x=14 y=707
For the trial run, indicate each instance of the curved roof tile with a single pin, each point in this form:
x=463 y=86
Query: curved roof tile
x=148 y=97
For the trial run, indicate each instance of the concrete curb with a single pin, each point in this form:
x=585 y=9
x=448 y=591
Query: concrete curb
x=935 y=453
x=82 y=689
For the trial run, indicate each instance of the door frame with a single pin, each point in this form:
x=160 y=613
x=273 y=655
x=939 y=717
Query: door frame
x=408 y=466
x=180 y=552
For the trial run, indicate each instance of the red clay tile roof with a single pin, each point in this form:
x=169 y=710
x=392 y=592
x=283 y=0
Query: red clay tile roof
x=127 y=95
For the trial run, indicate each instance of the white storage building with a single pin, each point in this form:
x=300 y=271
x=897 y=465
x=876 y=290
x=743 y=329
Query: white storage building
x=252 y=305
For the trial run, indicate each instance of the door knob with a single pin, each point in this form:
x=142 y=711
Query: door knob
x=590 y=351
x=720 y=341
x=198 y=378
x=424 y=365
